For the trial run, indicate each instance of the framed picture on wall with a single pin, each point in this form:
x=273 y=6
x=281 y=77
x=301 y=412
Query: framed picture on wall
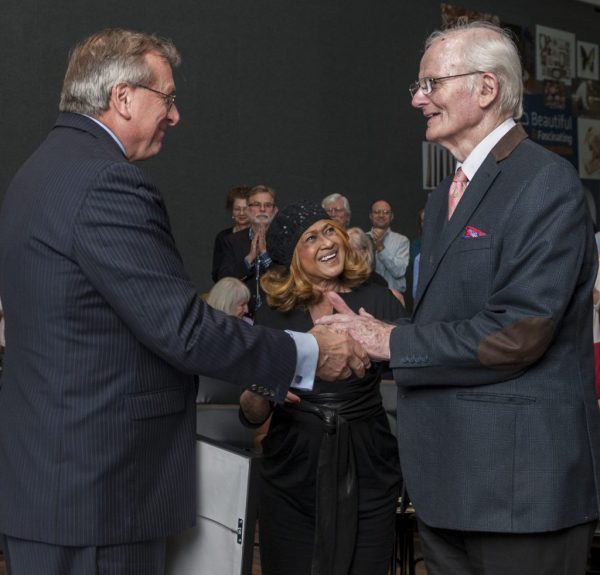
x=589 y=148
x=587 y=61
x=555 y=54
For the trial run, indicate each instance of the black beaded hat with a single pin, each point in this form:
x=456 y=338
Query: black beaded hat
x=287 y=227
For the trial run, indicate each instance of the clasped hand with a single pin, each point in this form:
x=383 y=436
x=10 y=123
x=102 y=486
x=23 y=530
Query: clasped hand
x=339 y=354
x=259 y=243
x=372 y=334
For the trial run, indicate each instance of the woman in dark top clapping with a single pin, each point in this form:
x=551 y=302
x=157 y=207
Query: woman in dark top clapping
x=235 y=204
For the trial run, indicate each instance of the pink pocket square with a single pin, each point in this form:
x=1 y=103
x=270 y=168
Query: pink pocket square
x=471 y=232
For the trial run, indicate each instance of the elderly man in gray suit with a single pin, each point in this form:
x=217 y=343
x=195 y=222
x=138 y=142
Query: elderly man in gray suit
x=105 y=331
x=498 y=427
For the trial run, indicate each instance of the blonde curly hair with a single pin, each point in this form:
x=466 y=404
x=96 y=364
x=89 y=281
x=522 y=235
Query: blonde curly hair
x=289 y=287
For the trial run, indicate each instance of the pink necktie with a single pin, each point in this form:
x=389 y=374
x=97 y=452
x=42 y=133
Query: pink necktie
x=457 y=189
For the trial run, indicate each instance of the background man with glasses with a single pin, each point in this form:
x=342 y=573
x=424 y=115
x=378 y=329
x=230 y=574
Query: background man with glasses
x=245 y=254
x=498 y=425
x=338 y=209
x=392 y=250
x=105 y=332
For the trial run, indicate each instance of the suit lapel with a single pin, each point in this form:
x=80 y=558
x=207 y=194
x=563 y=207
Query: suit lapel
x=450 y=230
x=445 y=232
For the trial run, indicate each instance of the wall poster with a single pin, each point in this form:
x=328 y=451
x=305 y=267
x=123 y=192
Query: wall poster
x=555 y=54
x=587 y=61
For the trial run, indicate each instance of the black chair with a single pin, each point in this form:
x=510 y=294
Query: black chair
x=594 y=557
x=217 y=413
x=403 y=557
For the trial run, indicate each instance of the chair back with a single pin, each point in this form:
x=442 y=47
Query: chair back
x=217 y=413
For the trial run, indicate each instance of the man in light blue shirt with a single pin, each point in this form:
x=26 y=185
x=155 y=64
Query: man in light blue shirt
x=392 y=250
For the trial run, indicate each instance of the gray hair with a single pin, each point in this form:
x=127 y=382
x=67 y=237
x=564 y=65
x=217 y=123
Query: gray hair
x=333 y=198
x=491 y=49
x=261 y=189
x=361 y=242
x=105 y=59
x=227 y=293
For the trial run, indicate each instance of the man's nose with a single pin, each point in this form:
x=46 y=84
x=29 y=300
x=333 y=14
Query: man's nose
x=173 y=116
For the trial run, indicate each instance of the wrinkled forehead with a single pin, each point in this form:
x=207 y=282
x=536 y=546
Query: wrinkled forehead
x=443 y=56
x=381 y=206
x=337 y=203
x=261 y=197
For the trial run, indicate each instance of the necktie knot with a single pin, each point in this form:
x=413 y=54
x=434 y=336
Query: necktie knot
x=457 y=189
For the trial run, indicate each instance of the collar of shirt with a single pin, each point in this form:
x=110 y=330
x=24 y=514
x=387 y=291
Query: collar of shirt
x=110 y=133
x=474 y=160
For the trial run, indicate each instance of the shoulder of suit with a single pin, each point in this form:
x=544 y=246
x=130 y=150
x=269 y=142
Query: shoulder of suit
x=86 y=124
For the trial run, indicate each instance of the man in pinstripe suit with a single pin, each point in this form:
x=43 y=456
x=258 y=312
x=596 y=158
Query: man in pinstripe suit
x=105 y=331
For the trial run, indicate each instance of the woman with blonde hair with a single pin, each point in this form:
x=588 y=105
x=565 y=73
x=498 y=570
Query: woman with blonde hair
x=330 y=465
x=362 y=243
x=230 y=295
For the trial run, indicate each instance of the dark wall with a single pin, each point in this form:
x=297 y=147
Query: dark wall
x=308 y=97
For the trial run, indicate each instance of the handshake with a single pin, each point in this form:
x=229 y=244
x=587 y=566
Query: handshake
x=349 y=341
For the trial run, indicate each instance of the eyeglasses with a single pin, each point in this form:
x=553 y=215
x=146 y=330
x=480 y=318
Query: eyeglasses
x=335 y=210
x=381 y=212
x=169 y=98
x=264 y=206
x=426 y=85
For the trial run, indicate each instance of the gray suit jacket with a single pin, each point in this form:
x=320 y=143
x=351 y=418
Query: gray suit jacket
x=498 y=425
x=104 y=332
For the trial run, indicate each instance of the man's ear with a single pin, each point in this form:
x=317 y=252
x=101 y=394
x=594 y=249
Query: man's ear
x=120 y=99
x=488 y=90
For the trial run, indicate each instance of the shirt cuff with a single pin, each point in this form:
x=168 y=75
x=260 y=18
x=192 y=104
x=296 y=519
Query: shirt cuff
x=306 y=362
x=265 y=260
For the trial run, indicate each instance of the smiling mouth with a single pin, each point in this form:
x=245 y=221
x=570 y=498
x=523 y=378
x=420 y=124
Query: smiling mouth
x=328 y=257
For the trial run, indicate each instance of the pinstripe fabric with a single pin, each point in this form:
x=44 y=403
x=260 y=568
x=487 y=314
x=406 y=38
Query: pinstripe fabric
x=105 y=330
x=33 y=558
x=498 y=426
